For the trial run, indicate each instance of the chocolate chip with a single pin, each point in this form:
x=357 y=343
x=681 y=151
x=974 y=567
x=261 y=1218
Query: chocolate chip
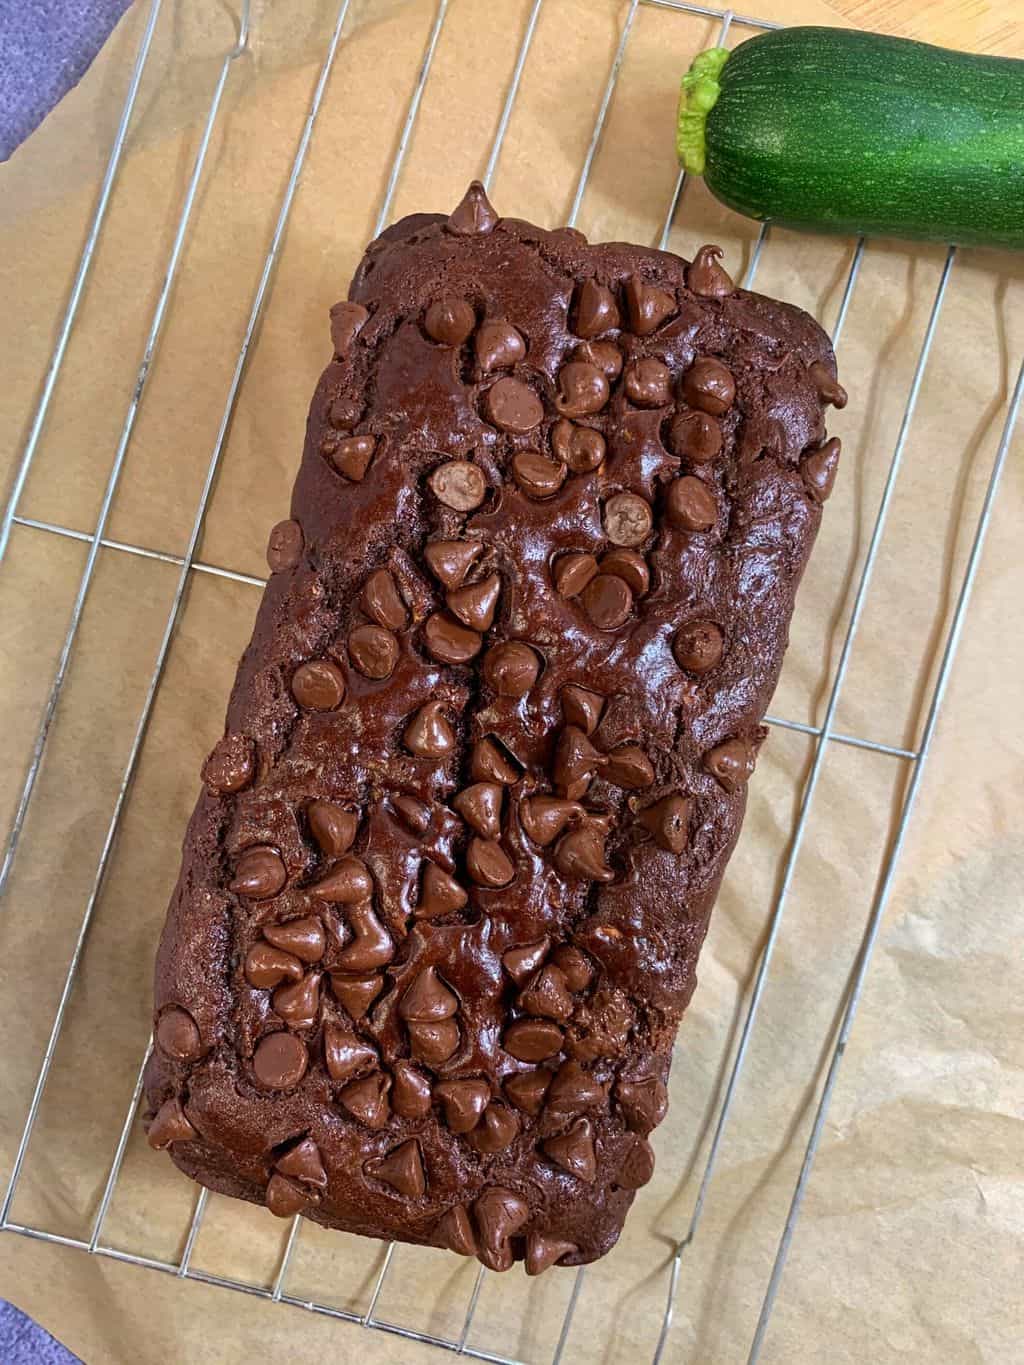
x=480 y=806
x=371 y=946
x=412 y=813
x=669 y=821
x=448 y=641
x=259 y=873
x=474 y=216
x=500 y=1215
x=581 y=448
x=464 y=1102
x=451 y=560
x=637 y=1165
x=582 y=389
x=730 y=763
x=818 y=469
x=575 y=1089
x=543 y=1251
x=547 y=996
x=410 y=1092
x=581 y=707
x=829 y=388
x=488 y=864
x=440 y=893
x=699 y=646
x=628 y=766
x=604 y=354
x=510 y=669
x=630 y=566
x=490 y=763
x=608 y=601
x=648 y=383
x=647 y=305
x=280 y=1061
x=266 y=966
x=285 y=1199
x=706 y=278
x=455 y=1232
x=401 y=1168
x=345 y=1053
x=476 y=603
x=644 y=1102
x=352 y=455
x=373 y=651
x=580 y=856
x=574 y=965
x=169 y=1125
x=285 y=545
x=356 y=993
x=536 y=475
x=496 y=1130
x=347 y=883
x=527 y=1089
x=381 y=601
x=513 y=406
x=521 y=963
x=695 y=436
x=434 y=1043
x=627 y=519
x=299 y=1003
x=367 y=1100
x=459 y=484
x=303 y=1163
x=572 y=573
x=333 y=827
x=575 y=763
x=318 y=685
x=498 y=346
x=532 y=1040
x=347 y=319
x=344 y=413
x=449 y=320
x=596 y=310
x=302 y=937
x=709 y=385
x=574 y=1151
x=428 y=999
x=544 y=817
x=230 y=767
x=690 y=504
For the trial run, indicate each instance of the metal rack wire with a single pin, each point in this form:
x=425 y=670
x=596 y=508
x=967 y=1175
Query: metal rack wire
x=823 y=736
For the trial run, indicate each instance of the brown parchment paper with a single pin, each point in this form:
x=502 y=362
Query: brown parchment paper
x=911 y=1242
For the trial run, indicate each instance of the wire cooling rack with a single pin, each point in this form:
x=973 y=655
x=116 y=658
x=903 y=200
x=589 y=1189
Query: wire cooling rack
x=823 y=736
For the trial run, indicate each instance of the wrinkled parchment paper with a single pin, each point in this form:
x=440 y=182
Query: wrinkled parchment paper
x=910 y=1243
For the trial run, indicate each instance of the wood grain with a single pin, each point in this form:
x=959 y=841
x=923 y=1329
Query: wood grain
x=972 y=25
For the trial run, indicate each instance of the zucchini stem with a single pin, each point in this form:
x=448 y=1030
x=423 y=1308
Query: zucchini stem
x=698 y=95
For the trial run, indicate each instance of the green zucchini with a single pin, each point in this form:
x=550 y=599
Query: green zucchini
x=841 y=131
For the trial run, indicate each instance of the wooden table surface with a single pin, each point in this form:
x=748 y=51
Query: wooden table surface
x=974 y=25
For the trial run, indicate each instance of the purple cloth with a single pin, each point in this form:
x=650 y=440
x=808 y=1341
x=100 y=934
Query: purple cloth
x=23 y=1342
x=46 y=47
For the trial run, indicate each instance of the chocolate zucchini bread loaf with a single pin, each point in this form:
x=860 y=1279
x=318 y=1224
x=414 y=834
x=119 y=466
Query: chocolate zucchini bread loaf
x=486 y=756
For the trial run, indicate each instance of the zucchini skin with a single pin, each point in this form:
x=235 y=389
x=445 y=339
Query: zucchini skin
x=843 y=131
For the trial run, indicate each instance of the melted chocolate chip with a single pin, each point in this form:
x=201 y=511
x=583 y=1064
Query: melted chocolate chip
x=480 y=806
x=428 y=999
x=575 y=1089
x=521 y=963
x=699 y=646
x=230 y=767
x=513 y=406
x=498 y=346
x=829 y=388
x=576 y=761
x=511 y=669
x=500 y=1215
x=533 y=1040
x=299 y=1003
x=574 y=966
x=648 y=383
x=402 y=1169
x=412 y=813
x=647 y=305
x=429 y=734
x=448 y=641
x=440 y=894
x=259 y=873
x=536 y=475
x=318 y=685
x=459 y=484
x=527 y=1089
x=303 y=1163
x=581 y=707
x=280 y=1061
x=574 y=1151
x=345 y=1053
x=572 y=573
x=333 y=827
x=668 y=820
x=169 y=1125
x=455 y=1231
x=344 y=413
x=476 y=603
x=644 y=1103
x=367 y=1100
x=608 y=601
x=695 y=436
x=356 y=993
x=630 y=566
x=474 y=216
x=347 y=319
x=490 y=763
x=451 y=560
x=818 y=468
x=488 y=864
x=351 y=456
x=596 y=310
x=381 y=601
x=690 y=504
x=496 y=1130
x=434 y=1043
x=637 y=1165
x=730 y=763
x=628 y=766
x=371 y=945
x=410 y=1092
x=347 y=883
x=709 y=385
x=580 y=856
x=582 y=389
x=706 y=278
x=627 y=519
x=373 y=651
x=543 y=1251
x=303 y=937
x=449 y=320
x=581 y=448
x=284 y=1198
x=545 y=817
x=266 y=966
x=284 y=548
x=547 y=996
x=604 y=354
x=464 y=1103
